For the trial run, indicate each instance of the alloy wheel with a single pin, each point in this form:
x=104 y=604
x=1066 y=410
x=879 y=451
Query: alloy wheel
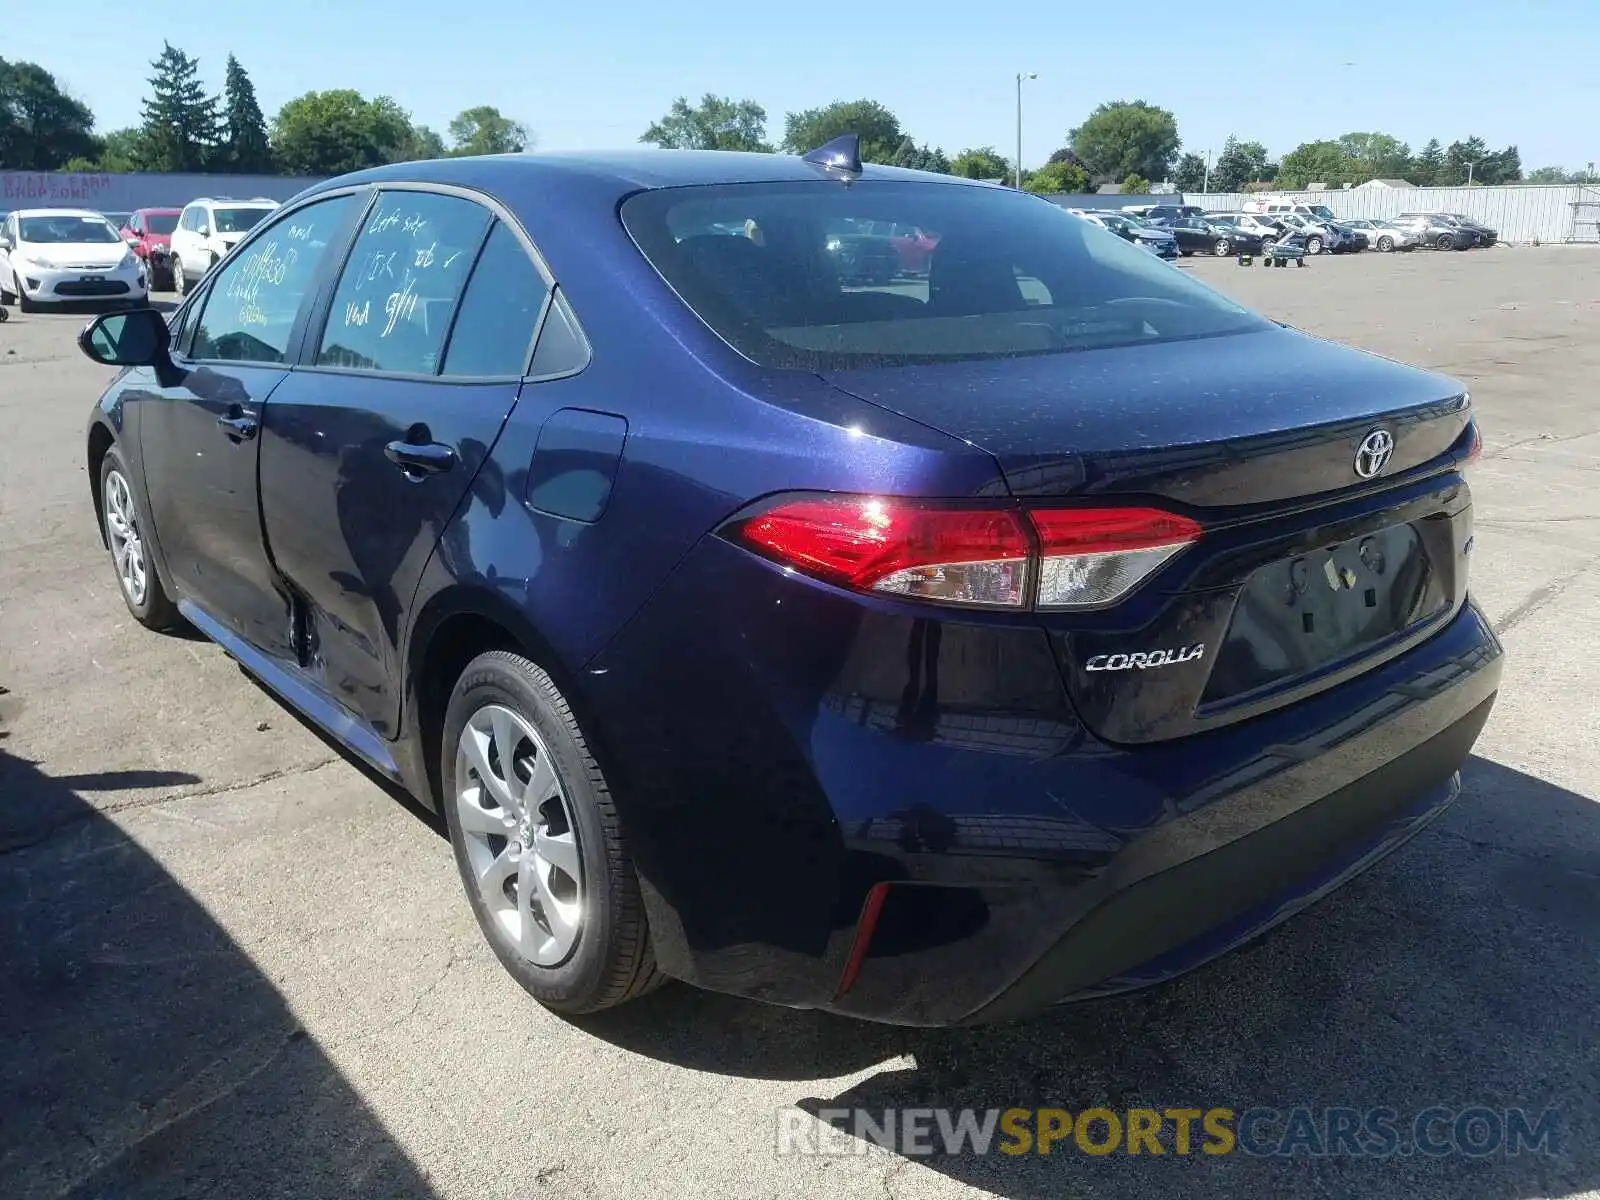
x=1385 y=244
x=122 y=531
x=1313 y=245
x=521 y=840
x=180 y=285
x=1223 y=247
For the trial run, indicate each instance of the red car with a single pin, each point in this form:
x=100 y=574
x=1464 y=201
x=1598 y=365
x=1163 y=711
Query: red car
x=149 y=235
x=915 y=247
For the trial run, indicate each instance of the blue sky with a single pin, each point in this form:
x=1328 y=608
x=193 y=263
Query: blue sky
x=594 y=75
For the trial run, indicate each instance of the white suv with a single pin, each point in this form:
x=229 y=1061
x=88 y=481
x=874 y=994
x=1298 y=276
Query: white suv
x=207 y=230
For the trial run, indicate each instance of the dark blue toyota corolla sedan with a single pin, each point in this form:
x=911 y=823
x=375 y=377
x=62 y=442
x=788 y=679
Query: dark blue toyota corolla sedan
x=928 y=644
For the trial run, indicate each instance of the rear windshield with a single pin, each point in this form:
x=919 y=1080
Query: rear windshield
x=796 y=274
x=238 y=220
x=161 y=222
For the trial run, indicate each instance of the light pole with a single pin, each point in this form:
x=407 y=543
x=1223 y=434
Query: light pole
x=1020 y=77
x=1206 y=186
x=1470 y=165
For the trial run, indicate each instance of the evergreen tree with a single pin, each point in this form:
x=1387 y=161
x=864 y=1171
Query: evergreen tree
x=245 y=149
x=1428 y=168
x=180 y=121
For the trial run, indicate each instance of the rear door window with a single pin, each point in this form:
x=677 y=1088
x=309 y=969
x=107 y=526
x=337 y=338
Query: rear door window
x=397 y=293
x=499 y=311
x=811 y=279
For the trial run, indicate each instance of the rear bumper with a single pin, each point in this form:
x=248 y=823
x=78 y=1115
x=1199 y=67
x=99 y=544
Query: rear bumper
x=783 y=752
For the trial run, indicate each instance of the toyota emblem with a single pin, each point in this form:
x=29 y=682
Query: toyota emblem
x=1373 y=456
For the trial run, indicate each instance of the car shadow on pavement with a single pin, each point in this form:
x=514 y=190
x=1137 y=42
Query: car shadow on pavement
x=146 y=1056
x=1454 y=975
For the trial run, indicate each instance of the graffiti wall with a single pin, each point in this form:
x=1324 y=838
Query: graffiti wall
x=123 y=193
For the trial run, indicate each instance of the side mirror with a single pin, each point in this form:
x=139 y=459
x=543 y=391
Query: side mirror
x=131 y=238
x=138 y=337
x=5 y=242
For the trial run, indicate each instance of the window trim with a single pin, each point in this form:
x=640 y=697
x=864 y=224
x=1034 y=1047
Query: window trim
x=498 y=212
x=195 y=306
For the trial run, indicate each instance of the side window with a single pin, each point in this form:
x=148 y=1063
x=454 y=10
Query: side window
x=499 y=310
x=399 y=286
x=202 y=221
x=186 y=221
x=561 y=349
x=251 y=306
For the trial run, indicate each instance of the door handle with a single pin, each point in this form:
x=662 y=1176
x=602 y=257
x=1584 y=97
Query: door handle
x=239 y=428
x=420 y=458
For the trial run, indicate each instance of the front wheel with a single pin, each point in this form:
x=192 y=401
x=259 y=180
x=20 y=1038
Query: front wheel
x=1313 y=244
x=180 y=281
x=23 y=303
x=126 y=531
x=1385 y=245
x=1445 y=242
x=538 y=841
x=1223 y=248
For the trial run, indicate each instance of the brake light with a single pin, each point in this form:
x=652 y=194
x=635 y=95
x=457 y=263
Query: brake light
x=961 y=556
x=1080 y=557
x=1094 y=556
x=1474 y=446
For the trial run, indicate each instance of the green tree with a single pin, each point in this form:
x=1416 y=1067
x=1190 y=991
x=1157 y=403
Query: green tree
x=483 y=130
x=121 y=151
x=1241 y=163
x=982 y=162
x=1428 y=168
x=877 y=127
x=1135 y=184
x=245 y=149
x=1315 y=162
x=1124 y=138
x=1190 y=173
x=329 y=133
x=1056 y=178
x=181 y=125
x=1502 y=167
x=1459 y=157
x=422 y=144
x=1376 y=156
x=1553 y=175
x=41 y=127
x=716 y=123
x=920 y=158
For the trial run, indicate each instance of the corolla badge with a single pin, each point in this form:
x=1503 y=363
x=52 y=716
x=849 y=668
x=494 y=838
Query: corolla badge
x=1145 y=659
x=1373 y=455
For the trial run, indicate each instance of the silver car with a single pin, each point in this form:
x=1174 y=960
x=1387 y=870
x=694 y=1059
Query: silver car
x=1383 y=236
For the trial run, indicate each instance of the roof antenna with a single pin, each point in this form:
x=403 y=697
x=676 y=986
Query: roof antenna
x=842 y=155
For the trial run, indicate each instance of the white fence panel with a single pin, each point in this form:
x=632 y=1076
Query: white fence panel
x=1518 y=212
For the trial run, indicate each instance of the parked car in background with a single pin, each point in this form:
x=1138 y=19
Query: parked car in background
x=1320 y=235
x=1160 y=213
x=57 y=255
x=864 y=252
x=1159 y=241
x=915 y=248
x=1273 y=208
x=117 y=219
x=1249 y=222
x=148 y=232
x=1206 y=235
x=931 y=655
x=1434 y=230
x=1484 y=235
x=1383 y=236
x=207 y=230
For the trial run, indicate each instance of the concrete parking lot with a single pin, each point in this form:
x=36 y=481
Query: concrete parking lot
x=232 y=965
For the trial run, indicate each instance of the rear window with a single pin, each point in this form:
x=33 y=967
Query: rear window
x=806 y=275
x=161 y=222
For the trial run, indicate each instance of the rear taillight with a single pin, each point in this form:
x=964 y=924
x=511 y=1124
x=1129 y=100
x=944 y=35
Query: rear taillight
x=961 y=556
x=1095 y=556
x=1474 y=444
x=1055 y=558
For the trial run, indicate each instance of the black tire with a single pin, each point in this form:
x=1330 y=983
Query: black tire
x=156 y=609
x=1223 y=248
x=1386 y=245
x=1445 y=242
x=180 y=281
x=612 y=961
x=1313 y=244
x=23 y=303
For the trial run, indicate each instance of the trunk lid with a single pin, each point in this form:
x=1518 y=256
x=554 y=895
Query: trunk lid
x=1306 y=574
x=1236 y=420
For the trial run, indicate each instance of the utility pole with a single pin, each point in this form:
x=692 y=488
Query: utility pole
x=1020 y=77
x=1206 y=186
x=1470 y=165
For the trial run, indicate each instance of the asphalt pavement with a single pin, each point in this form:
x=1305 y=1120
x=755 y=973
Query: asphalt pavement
x=233 y=965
